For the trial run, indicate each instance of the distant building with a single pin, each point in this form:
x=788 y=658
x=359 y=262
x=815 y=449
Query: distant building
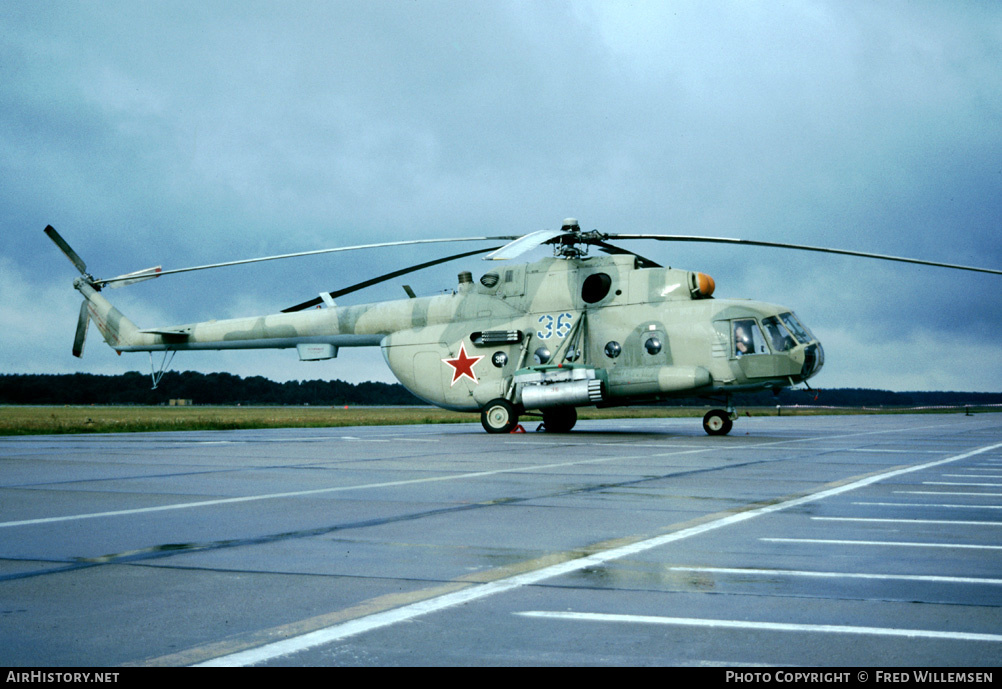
x=179 y=403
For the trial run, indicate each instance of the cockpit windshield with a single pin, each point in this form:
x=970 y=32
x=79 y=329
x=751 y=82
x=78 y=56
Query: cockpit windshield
x=769 y=334
x=800 y=331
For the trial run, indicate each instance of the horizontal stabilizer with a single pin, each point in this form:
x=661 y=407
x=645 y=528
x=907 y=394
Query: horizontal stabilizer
x=168 y=334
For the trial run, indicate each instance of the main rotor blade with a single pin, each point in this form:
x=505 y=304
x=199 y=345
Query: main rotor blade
x=525 y=243
x=383 y=278
x=801 y=247
x=314 y=253
x=70 y=253
x=615 y=250
x=81 y=334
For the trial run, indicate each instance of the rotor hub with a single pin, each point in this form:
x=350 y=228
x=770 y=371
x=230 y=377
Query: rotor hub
x=570 y=225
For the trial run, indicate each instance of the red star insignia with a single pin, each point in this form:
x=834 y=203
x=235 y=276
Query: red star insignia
x=463 y=365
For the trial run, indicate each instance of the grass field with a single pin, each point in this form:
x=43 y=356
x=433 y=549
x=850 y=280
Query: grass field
x=45 y=420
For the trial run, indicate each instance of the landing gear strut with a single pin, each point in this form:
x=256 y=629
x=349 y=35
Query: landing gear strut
x=720 y=421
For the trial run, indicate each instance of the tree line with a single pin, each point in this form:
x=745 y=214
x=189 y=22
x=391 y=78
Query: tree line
x=200 y=388
x=228 y=389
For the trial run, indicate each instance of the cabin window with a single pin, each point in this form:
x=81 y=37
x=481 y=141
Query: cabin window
x=613 y=349
x=653 y=345
x=748 y=338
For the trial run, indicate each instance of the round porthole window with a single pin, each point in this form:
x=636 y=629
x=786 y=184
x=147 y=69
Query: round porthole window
x=653 y=345
x=612 y=349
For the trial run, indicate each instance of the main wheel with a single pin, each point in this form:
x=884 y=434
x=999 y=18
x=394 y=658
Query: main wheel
x=560 y=419
x=499 y=416
x=717 y=422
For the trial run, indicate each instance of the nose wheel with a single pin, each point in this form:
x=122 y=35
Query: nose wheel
x=717 y=422
x=499 y=416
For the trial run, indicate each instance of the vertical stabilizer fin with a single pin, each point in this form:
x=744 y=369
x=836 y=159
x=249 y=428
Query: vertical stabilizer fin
x=117 y=330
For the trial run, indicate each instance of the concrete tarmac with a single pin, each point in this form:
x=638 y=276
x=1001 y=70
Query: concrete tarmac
x=813 y=541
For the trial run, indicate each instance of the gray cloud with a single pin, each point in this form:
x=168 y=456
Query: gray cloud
x=188 y=133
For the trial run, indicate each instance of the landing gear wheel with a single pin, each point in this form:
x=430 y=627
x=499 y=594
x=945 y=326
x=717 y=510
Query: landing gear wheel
x=717 y=422
x=499 y=416
x=560 y=419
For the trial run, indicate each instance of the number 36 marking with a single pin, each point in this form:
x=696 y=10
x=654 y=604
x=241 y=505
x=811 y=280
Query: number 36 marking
x=558 y=325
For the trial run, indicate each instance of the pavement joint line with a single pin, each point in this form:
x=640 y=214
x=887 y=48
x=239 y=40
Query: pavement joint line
x=388 y=484
x=333 y=489
x=394 y=616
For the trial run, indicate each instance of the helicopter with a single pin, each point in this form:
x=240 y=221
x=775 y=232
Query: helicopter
x=543 y=338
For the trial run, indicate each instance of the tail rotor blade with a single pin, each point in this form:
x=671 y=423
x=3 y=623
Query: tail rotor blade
x=81 y=335
x=133 y=278
x=66 y=249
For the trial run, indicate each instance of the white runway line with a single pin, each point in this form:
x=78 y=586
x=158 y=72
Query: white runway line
x=972 y=475
x=906 y=521
x=946 y=492
x=338 y=489
x=922 y=504
x=841 y=575
x=906 y=544
x=476 y=592
x=761 y=626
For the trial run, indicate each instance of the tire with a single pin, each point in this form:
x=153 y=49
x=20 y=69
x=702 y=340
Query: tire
x=560 y=419
x=499 y=416
x=717 y=422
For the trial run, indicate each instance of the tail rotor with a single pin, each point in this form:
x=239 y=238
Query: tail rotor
x=81 y=335
x=68 y=250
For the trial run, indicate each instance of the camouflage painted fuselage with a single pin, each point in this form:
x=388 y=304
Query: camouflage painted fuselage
x=527 y=332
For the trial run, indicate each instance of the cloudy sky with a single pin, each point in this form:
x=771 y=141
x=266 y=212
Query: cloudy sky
x=183 y=133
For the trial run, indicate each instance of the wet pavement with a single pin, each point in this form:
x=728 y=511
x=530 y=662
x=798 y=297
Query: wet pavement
x=841 y=540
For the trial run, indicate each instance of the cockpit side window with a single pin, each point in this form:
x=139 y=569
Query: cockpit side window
x=779 y=336
x=748 y=338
